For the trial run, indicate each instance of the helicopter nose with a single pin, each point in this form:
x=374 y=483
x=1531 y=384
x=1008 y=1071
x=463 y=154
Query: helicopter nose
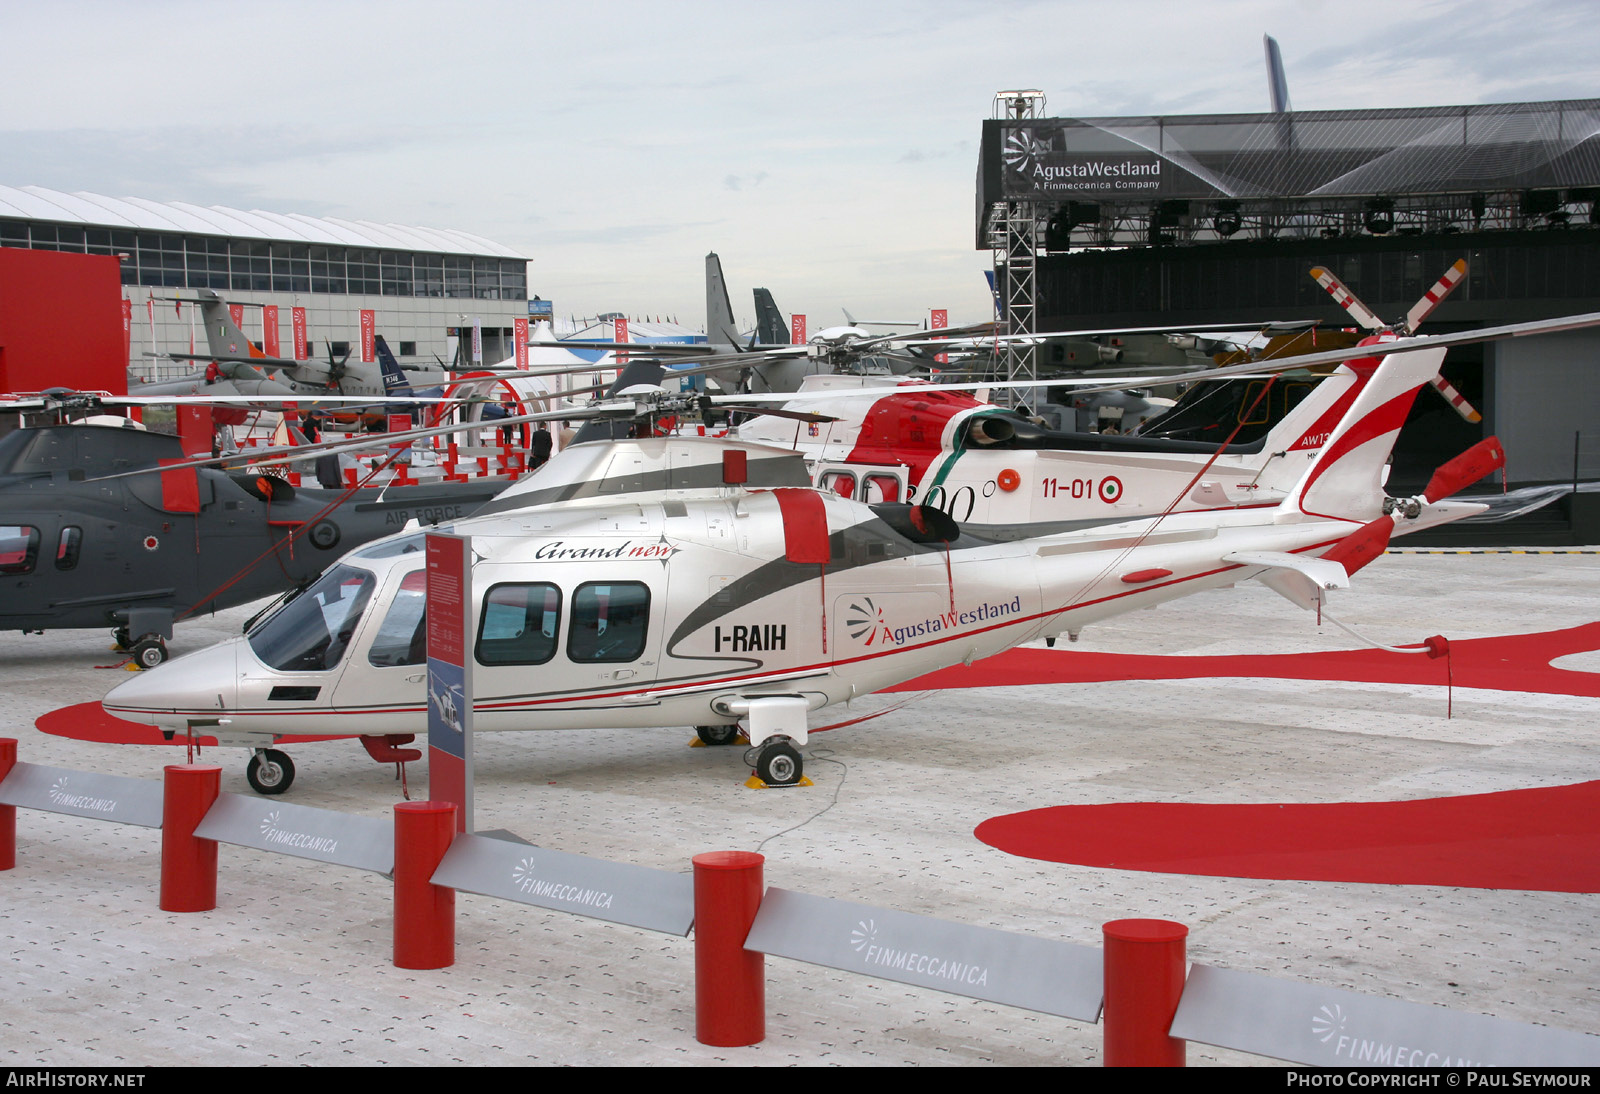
x=197 y=685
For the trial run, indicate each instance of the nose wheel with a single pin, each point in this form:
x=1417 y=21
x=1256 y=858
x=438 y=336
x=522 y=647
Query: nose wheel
x=269 y=771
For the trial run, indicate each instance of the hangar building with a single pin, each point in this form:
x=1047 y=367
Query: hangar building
x=425 y=284
x=1100 y=222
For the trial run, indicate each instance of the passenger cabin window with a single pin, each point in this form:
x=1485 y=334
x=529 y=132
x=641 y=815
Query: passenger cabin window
x=609 y=622
x=19 y=548
x=519 y=624
x=402 y=637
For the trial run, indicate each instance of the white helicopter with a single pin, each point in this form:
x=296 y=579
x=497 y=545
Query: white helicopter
x=1002 y=474
x=688 y=581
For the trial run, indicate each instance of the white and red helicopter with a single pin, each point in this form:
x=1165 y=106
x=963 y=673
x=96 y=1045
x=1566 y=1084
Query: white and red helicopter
x=1003 y=474
x=689 y=581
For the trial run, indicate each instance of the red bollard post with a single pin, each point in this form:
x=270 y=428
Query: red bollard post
x=730 y=988
x=1145 y=966
x=8 y=813
x=188 y=863
x=424 y=913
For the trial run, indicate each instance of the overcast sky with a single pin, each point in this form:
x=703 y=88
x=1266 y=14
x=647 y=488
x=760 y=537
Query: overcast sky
x=826 y=150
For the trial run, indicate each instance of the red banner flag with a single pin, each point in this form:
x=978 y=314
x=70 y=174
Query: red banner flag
x=237 y=311
x=939 y=319
x=519 y=334
x=797 y=329
x=269 y=330
x=619 y=333
x=297 y=323
x=369 y=334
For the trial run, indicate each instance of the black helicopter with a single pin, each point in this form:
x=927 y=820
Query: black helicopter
x=81 y=549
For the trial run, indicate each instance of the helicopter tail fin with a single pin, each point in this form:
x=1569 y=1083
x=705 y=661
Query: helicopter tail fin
x=1309 y=425
x=1345 y=479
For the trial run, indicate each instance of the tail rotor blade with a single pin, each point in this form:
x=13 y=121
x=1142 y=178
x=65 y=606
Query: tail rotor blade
x=1481 y=459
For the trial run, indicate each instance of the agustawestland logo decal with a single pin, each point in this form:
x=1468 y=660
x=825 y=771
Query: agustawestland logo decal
x=883 y=955
x=528 y=883
x=1023 y=149
x=273 y=832
x=60 y=795
x=868 y=624
x=1328 y=1025
x=864 y=620
x=1037 y=162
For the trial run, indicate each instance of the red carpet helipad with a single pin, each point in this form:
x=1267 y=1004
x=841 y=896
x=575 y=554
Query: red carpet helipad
x=1519 y=662
x=1546 y=839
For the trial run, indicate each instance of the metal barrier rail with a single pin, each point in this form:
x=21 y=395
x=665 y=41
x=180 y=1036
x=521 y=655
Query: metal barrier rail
x=1269 y=1016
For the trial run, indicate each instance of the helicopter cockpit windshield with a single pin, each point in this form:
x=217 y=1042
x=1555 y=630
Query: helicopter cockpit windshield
x=310 y=632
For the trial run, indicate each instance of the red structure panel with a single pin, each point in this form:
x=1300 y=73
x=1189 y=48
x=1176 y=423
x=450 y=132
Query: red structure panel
x=61 y=322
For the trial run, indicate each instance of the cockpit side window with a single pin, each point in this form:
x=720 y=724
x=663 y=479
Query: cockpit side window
x=519 y=624
x=310 y=632
x=402 y=637
x=19 y=548
x=610 y=621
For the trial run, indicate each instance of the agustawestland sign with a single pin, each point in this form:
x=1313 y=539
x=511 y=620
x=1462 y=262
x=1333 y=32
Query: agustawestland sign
x=1308 y=154
x=1069 y=163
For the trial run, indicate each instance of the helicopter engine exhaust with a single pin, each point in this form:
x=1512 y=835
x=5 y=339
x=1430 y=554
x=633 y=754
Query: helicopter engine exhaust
x=991 y=430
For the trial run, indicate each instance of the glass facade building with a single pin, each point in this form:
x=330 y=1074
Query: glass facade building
x=178 y=260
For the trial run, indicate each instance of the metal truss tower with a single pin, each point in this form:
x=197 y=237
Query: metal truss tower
x=1015 y=238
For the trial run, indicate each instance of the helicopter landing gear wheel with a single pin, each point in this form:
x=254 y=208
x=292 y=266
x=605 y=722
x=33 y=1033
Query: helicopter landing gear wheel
x=779 y=764
x=269 y=771
x=717 y=735
x=148 y=652
x=122 y=639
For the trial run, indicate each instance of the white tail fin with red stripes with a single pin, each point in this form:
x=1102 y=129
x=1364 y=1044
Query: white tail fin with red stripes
x=1345 y=481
